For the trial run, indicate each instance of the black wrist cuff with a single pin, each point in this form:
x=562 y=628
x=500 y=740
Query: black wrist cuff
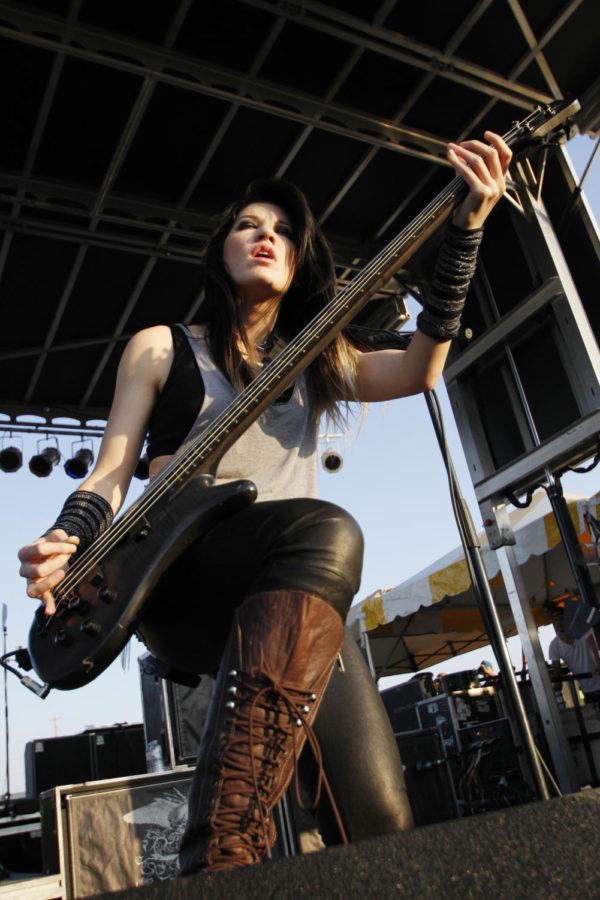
x=85 y=515
x=455 y=266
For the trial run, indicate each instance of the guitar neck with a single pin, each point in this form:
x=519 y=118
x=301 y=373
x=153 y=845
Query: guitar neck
x=203 y=451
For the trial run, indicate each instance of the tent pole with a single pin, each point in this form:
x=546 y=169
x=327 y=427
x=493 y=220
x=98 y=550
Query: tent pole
x=485 y=601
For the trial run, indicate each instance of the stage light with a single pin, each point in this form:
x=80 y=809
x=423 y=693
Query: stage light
x=332 y=461
x=331 y=457
x=79 y=464
x=142 y=470
x=11 y=459
x=42 y=463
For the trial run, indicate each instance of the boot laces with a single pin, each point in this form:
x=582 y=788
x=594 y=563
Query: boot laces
x=267 y=716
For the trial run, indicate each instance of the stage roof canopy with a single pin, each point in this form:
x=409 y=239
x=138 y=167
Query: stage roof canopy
x=127 y=126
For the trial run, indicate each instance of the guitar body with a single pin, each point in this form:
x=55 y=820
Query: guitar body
x=91 y=628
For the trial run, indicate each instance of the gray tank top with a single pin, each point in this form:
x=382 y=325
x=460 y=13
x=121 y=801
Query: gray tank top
x=278 y=452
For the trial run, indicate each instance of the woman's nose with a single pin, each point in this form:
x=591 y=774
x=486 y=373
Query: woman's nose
x=266 y=232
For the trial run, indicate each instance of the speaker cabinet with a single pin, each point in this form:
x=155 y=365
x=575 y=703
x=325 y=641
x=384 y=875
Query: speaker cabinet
x=174 y=714
x=117 y=752
x=114 y=834
x=109 y=835
x=428 y=776
x=525 y=390
x=53 y=761
x=95 y=754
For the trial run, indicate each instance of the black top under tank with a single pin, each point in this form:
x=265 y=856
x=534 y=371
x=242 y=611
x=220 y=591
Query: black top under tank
x=179 y=402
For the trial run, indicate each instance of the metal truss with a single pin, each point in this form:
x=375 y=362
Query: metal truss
x=155 y=61
x=10 y=429
x=188 y=73
x=135 y=117
x=527 y=31
x=384 y=41
x=241 y=90
x=350 y=64
x=107 y=239
x=183 y=201
x=534 y=53
x=455 y=41
x=75 y=200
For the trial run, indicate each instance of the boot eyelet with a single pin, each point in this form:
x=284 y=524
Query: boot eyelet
x=232 y=673
x=298 y=723
x=312 y=697
x=232 y=689
x=305 y=709
x=230 y=705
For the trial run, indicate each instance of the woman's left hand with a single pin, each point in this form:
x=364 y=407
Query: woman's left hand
x=484 y=168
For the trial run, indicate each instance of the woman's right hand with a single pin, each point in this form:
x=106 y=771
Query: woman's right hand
x=44 y=564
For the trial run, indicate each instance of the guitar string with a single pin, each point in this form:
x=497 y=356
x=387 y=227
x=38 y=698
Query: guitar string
x=176 y=469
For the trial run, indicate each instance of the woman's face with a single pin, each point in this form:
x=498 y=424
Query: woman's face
x=259 y=252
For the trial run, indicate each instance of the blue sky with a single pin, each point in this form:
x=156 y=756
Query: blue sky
x=392 y=481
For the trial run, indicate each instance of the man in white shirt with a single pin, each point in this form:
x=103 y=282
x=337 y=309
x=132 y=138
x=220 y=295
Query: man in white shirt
x=580 y=654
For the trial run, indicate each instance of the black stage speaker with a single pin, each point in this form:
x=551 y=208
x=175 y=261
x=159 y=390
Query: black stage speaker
x=99 y=753
x=117 y=752
x=428 y=776
x=525 y=390
x=409 y=692
x=400 y=700
x=439 y=712
x=174 y=714
x=54 y=761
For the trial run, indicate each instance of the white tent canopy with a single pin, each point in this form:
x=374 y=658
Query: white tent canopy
x=434 y=615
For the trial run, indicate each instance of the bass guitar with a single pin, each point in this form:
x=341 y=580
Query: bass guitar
x=100 y=601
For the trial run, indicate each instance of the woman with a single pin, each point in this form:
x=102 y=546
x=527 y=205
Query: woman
x=281 y=574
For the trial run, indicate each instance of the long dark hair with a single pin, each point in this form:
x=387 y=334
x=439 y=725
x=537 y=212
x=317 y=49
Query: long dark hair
x=331 y=376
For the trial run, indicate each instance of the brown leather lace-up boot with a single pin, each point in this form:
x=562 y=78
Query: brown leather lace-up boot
x=274 y=672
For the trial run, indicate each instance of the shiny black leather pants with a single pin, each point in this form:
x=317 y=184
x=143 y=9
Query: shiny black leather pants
x=360 y=755
x=301 y=545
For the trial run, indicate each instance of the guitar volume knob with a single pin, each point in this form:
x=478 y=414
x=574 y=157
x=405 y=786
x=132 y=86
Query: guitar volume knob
x=91 y=627
x=62 y=638
x=106 y=595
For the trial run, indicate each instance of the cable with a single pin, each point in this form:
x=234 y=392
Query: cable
x=549 y=774
x=40 y=690
x=582 y=470
x=523 y=504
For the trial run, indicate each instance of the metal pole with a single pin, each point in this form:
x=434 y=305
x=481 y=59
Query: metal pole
x=4 y=631
x=552 y=724
x=485 y=601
